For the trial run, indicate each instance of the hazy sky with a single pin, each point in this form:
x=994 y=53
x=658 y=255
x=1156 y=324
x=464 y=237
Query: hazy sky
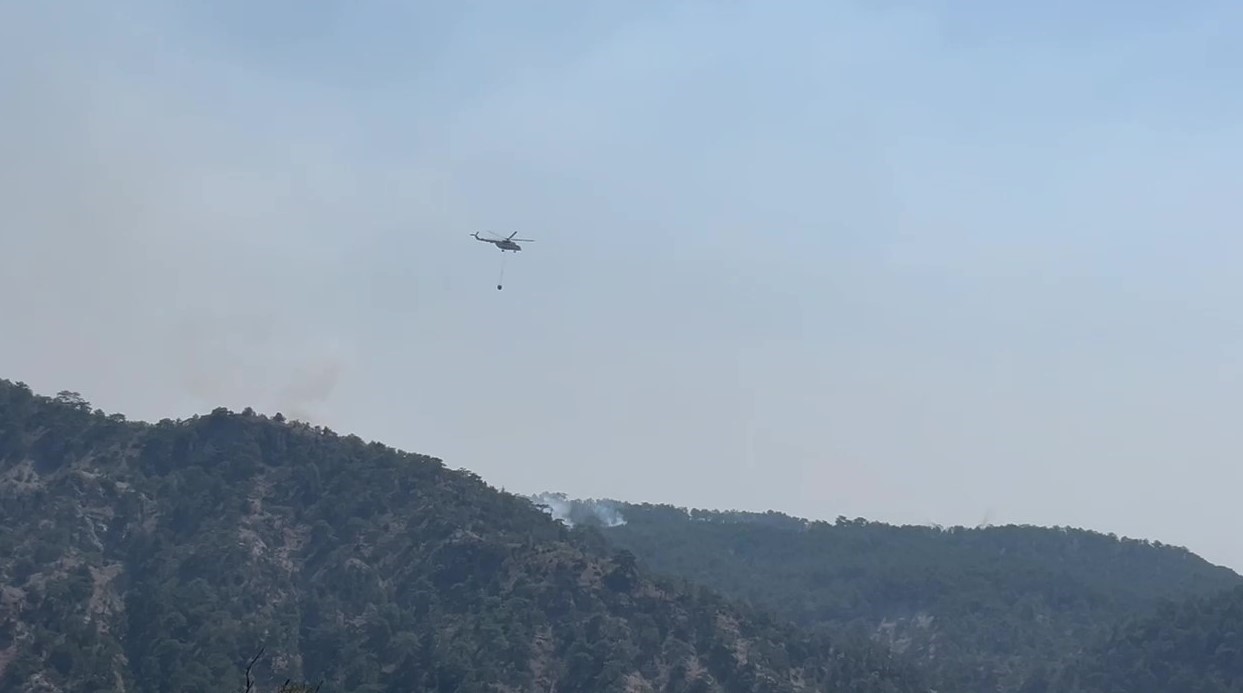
x=922 y=262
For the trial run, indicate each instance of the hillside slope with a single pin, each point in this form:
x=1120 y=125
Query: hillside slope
x=160 y=557
x=1194 y=645
x=981 y=609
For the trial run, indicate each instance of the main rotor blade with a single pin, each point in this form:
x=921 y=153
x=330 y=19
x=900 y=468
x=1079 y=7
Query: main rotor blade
x=523 y=240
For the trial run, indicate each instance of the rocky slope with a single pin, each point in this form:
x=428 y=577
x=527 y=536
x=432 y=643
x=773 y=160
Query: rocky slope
x=160 y=557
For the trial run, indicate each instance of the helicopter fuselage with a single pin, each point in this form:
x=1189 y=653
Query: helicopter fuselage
x=504 y=243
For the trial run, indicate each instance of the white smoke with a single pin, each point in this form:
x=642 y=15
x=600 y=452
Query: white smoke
x=555 y=504
x=574 y=512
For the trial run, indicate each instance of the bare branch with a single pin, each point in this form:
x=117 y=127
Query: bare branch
x=250 y=683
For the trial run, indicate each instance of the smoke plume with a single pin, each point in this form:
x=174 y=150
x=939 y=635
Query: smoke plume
x=573 y=512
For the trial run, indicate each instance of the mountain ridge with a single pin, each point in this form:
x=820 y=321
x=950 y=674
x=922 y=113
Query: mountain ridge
x=160 y=556
x=981 y=608
x=572 y=510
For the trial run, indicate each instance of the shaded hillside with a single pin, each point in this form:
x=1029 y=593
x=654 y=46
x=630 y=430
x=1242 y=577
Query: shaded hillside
x=979 y=608
x=160 y=557
x=1195 y=646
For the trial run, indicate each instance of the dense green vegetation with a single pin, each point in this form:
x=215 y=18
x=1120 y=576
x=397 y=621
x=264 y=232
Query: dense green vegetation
x=160 y=557
x=980 y=609
x=1194 y=646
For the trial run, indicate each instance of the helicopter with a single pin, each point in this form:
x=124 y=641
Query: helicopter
x=507 y=243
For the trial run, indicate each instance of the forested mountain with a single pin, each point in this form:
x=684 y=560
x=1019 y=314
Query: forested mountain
x=979 y=609
x=1194 y=646
x=160 y=557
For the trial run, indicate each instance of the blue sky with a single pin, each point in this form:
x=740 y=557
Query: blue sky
x=919 y=262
